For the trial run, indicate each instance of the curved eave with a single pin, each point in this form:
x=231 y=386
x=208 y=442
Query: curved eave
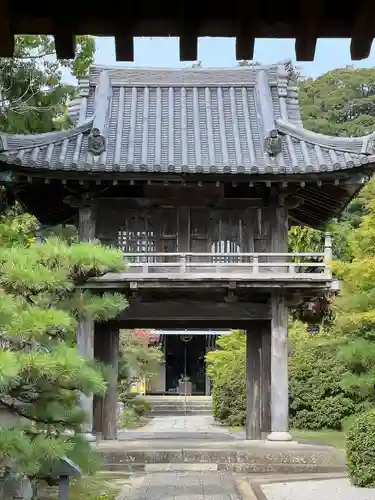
x=13 y=144
x=303 y=152
x=352 y=145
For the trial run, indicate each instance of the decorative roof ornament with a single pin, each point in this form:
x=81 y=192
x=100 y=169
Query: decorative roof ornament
x=272 y=143
x=96 y=143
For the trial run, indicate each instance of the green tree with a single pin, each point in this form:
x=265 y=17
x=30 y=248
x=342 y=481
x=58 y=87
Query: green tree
x=138 y=357
x=41 y=372
x=33 y=94
x=355 y=310
x=340 y=102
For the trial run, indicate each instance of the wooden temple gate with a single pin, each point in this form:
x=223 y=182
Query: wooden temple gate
x=196 y=175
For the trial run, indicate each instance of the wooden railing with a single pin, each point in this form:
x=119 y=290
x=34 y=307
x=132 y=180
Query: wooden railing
x=263 y=265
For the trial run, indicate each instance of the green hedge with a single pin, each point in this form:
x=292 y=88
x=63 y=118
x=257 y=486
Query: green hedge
x=316 y=400
x=229 y=399
x=360 y=446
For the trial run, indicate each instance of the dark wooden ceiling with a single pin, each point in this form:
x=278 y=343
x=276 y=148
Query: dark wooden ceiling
x=303 y=20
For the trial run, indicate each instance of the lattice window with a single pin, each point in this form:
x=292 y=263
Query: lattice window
x=137 y=236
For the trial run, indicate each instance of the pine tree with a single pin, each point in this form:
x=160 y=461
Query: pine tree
x=41 y=372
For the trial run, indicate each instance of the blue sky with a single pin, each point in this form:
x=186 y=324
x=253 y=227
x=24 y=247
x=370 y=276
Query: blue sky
x=219 y=52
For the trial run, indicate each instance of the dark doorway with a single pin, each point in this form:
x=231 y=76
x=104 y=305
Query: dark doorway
x=185 y=356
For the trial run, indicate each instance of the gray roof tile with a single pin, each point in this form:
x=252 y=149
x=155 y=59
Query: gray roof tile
x=188 y=121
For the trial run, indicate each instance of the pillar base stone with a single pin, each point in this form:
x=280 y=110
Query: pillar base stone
x=88 y=436
x=279 y=436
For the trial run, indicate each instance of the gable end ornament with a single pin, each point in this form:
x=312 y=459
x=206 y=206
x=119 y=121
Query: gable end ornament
x=96 y=142
x=272 y=143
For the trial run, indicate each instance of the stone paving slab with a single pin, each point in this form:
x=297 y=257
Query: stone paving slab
x=182 y=486
x=331 y=489
x=181 y=427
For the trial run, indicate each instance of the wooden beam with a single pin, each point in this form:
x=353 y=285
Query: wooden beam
x=6 y=34
x=124 y=46
x=65 y=44
x=245 y=43
x=363 y=31
x=246 y=14
x=188 y=47
x=307 y=36
x=188 y=37
x=188 y=310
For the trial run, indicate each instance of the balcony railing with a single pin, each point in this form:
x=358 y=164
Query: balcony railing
x=291 y=266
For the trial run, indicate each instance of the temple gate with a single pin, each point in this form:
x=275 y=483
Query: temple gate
x=196 y=175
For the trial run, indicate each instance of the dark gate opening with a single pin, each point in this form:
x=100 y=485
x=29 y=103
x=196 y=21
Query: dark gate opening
x=185 y=356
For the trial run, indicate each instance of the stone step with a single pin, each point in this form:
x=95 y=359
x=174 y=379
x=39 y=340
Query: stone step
x=180 y=407
x=168 y=399
x=178 y=413
x=255 y=457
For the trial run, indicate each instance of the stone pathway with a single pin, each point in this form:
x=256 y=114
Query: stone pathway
x=331 y=489
x=188 y=485
x=181 y=486
x=200 y=480
x=181 y=428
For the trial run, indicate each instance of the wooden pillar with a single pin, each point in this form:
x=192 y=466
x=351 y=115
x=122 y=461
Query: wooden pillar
x=109 y=409
x=258 y=422
x=253 y=384
x=107 y=351
x=279 y=370
x=85 y=329
x=266 y=380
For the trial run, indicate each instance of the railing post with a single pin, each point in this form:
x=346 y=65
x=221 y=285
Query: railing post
x=183 y=263
x=328 y=253
x=255 y=264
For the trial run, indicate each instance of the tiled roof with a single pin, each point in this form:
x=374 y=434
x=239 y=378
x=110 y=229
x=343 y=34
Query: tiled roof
x=188 y=120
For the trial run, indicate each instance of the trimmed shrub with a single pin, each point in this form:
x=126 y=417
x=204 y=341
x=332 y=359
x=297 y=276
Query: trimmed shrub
x=360 y=446
x=316 y=398
x=229 y=400
x=226 y=367
x=140 y=406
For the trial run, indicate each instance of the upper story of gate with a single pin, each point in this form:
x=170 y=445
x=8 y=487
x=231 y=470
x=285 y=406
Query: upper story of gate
x=194 y=168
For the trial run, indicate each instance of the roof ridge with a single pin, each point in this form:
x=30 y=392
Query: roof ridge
x=257 y=67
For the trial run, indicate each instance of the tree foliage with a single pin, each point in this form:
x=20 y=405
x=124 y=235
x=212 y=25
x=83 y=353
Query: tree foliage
x=226 y=367
x=41 y=372
x=340 y=102
x=138 y=358
x=33 y=94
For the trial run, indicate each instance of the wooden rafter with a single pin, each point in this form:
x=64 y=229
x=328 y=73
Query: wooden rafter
x=307 y=35
x=363 y=31
x=304 y=20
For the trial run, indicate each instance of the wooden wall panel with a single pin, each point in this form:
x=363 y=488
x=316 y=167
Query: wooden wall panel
x=187 y=229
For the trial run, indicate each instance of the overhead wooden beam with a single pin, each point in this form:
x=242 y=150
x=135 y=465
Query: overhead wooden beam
x=246 y=13
x=6 y=34
x=189 y=28
x=124 y=47
x=308 y=24
x=194 y=310
x=188 y=46
x=65 y=44
x=245 y=43
x=363 y=31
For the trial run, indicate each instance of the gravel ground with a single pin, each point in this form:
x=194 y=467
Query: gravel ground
x=331 y=489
